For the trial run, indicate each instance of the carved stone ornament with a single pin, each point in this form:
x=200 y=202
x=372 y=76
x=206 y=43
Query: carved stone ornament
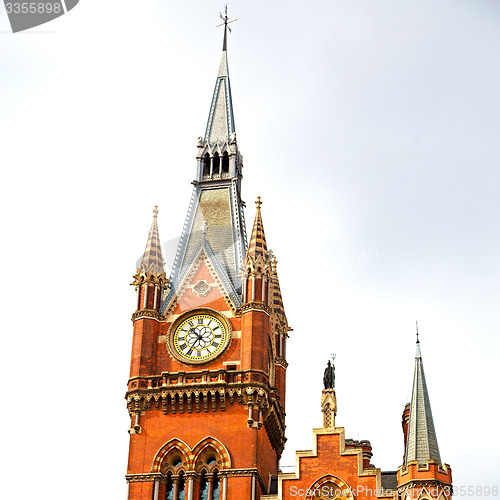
x=202 y=288
x=328 y=408
x=147 y=313
x=255 y=306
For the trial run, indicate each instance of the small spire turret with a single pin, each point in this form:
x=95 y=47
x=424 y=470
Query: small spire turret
x=422 y=460
x=257 y=246
x=257 y=265
x=150 y=278
x=422 y=441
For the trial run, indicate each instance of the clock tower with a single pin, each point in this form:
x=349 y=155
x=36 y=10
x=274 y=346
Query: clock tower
x=206 y=393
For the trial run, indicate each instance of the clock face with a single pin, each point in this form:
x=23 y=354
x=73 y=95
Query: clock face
x=200 y=338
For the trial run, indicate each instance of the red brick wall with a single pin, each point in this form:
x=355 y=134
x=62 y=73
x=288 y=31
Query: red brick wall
x=248 y=448
x=329 y=461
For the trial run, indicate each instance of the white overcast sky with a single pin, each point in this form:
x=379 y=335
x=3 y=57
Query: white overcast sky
x=370 y=128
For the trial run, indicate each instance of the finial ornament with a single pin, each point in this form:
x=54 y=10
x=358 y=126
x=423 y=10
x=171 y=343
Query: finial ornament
x=418 y=341
x=155 y=211
x=258 y=202
x=204 y=227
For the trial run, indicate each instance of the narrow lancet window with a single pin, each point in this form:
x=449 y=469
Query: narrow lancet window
x=182 y=488
x=216 y=164
x=206 y=165
x=203 y=487
x=216 y=487
x=169 y=489
x=225 y=163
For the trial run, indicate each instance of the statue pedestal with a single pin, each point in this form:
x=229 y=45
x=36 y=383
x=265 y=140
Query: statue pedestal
x=328 y=408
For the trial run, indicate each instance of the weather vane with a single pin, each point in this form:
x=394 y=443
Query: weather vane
x=226 y=27
x=226 y=20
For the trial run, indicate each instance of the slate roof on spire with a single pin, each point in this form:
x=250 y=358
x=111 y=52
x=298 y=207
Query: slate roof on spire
x=277 y=299
x=421 y=442
x=257 y=245
x=220 y=125
x=152 y=260
x=203 y=246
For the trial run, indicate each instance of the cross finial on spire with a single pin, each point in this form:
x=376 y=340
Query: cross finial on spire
x=418 y=341
x=155 y=211
x=226 y=27
x=258 y=202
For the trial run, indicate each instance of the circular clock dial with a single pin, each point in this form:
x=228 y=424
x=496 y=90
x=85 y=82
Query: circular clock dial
x=200 y=338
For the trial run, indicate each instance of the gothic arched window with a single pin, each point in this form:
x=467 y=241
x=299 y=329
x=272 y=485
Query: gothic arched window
x=173 y=467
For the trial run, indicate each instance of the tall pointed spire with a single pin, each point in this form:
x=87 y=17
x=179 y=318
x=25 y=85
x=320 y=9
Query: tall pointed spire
x=421 y=443
x=216 y=195
x=220 y=125
x=152 y=260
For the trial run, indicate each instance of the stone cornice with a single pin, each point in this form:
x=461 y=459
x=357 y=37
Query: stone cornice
x=142 y=478
x=242 y=473
x=150 y=477
x=422 y=483
x=200 y=377
x=255 y=394
x=252 y=390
